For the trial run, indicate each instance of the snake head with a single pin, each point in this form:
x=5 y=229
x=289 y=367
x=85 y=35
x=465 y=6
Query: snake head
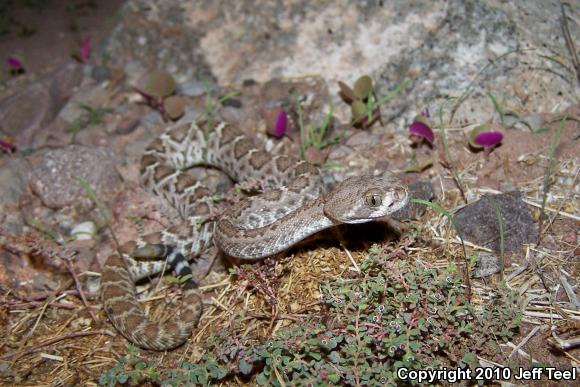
x=364 y=198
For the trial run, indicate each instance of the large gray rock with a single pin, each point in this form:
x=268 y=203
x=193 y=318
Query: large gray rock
x=444 y=49
x=479 y=223
x=30 y=108
x=54 y=177
x=14 y=177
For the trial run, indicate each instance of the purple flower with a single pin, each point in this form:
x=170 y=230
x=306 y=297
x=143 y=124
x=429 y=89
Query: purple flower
x=281 y=125
x=483 y=137
x=85 y=50
x=7 y=147
x=488 y=139
x=421 y=130
x=15 y=65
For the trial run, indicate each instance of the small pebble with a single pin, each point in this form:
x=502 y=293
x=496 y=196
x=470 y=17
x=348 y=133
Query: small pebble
x=84 y=231
x=487 y=264
x=194 y=88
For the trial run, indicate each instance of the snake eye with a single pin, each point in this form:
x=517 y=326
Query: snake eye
x=373 y=198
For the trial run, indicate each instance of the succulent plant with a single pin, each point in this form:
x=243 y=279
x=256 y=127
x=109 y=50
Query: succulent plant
x=158 y=88
x=363 y=87
x=85 y=50
x=7 y=146
x=420 y=130
x=358 y=110
x=174 y=107
x=276 y=119
x=364 y=108
x=15 y=65
x=483 y=137
x=159 y=84
x=281 y=125
x=346 y=92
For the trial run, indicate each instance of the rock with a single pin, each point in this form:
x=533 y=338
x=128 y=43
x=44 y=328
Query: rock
x=14 y=177
x=64 y=80
x=533 y=122
x=316 y=156
x=100 y=73
x=27 y=111
x=84 y=231
x=193 y=88
x=14 y=269
x=362 y=138
x=440 y=50
x=231 y=114
x=412 y=211
x=94 y=96
x=55 y=173
x=34 y=106
x=339 y=151
x=487 y=264
x=478 y=222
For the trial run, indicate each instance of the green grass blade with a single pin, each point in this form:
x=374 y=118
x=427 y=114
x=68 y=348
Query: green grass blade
x=549 y=168
x=496 y=106
x=453 y=221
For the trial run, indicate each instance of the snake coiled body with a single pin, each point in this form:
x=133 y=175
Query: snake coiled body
x=292 y=207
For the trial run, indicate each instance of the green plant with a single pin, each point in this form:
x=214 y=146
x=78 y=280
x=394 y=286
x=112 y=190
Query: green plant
x=451 y=218
x=446 y=160
x=396 y=313
x=180 y=280
x=311 y=135
x=548 y=174
x=157 y=87
x=443 y=132
x=136 y=370
x=210 y=108
x=90 y=116
x=363 y=101
x=515 y=118
x=130 y=367
x=498 y=108
x=211 y=105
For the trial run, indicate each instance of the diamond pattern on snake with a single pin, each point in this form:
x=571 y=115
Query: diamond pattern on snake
x=293 y=207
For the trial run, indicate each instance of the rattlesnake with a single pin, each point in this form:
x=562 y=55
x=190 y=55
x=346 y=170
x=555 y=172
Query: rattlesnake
x=256 y=227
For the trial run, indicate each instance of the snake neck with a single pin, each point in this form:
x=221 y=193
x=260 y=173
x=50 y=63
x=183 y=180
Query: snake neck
x=273 y=238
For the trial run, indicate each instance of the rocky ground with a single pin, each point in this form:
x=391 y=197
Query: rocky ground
x=76 y=115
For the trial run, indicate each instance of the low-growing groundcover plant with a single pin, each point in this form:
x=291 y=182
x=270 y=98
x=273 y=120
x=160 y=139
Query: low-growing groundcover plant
x=396 y=313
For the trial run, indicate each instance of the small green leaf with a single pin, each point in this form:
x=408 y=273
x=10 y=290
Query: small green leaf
x=245 y=367
x=346 y=91
x=334 y=378
x=122 y=378
x=159 y=84
x=363 y=87
x=473 y=133
x=261 y=379
x=334 y=357
x=358 y=109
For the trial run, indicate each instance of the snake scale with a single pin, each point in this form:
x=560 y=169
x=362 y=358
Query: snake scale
x=292 y=207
